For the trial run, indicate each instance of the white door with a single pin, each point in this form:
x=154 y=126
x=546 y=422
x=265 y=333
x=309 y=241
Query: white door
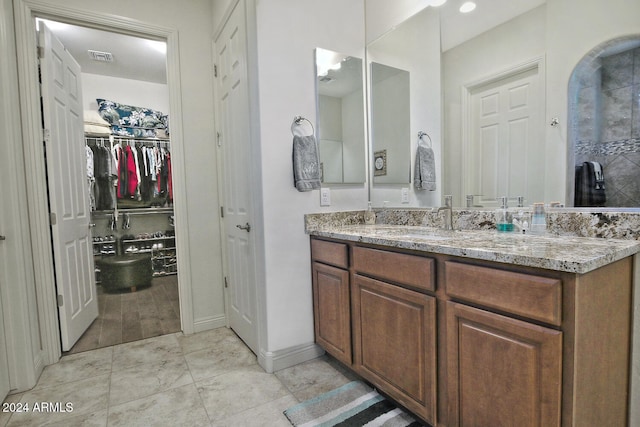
x=68 y=189
x=506 y=151
x=232 y=98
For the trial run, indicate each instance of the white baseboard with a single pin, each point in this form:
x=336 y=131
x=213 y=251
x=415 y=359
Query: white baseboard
x=272 y=361
x=207 y=323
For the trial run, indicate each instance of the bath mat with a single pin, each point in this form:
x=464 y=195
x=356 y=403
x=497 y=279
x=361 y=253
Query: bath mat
x=354 y=404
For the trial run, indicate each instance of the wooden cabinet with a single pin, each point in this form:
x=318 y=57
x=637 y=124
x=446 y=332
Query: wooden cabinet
x=331 y=301
x=501 y=371
x=395 y=342
x=331 y=311
x=464 y=342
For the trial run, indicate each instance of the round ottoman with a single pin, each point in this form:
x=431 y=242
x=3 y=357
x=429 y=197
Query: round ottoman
x=125 y=272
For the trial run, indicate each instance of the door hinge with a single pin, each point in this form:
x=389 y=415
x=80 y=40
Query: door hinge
x=40 y=52
x=215 y=70
x=221 y=211
x=52 y=218
x=60 y=301
x=226 y=283
x=46 y=135
x=219 y=139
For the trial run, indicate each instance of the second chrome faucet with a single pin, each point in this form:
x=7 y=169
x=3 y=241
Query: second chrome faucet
x=448 y=212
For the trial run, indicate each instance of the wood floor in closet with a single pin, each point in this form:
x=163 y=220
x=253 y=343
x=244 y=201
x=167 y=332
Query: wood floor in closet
x=132 y=316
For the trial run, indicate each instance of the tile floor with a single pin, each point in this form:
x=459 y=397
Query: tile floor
x=206 y=379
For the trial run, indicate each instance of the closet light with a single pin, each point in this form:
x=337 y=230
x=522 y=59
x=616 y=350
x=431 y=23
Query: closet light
x=158 y=45
x=467 y=7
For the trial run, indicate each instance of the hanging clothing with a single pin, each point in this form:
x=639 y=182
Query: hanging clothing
x=131 y=171
x=90 y=177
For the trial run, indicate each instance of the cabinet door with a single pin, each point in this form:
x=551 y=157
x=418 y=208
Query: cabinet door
x=331 y=311
x=501 y=371
x=395 y=342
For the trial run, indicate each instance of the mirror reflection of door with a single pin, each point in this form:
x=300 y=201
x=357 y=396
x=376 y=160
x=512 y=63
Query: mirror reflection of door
x=340 y=121
x=505 y=150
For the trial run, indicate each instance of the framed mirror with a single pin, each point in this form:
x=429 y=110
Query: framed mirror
x=341 y=117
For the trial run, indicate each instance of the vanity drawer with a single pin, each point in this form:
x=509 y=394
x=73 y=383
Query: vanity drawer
x=330 y=253
x=535 y=297
x=410 y=270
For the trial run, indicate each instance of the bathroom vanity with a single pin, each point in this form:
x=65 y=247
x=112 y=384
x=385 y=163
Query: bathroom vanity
x=478 y=327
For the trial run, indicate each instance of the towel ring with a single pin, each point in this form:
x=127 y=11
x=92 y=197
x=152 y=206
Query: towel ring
x=297 y=121
x=421 y=134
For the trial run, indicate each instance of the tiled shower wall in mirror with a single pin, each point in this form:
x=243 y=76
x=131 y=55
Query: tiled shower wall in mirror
x=608 y=124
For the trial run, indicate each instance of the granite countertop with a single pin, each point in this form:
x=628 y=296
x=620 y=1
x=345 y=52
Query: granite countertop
x=561 y=253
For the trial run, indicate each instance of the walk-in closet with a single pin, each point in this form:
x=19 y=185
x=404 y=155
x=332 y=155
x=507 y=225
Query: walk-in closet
x=127 y=146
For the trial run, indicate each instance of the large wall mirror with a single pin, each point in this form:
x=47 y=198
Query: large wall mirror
x=341 y=117
x=503 y=95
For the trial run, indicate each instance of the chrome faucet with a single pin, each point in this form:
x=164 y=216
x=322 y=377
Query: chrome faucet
x=448 y=216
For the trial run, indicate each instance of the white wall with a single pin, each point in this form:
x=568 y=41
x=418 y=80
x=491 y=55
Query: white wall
x=124 y=91
x=287 y=33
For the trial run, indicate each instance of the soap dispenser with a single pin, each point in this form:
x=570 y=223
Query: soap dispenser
x=369 y=215
x=538 y=219
x=504 y=222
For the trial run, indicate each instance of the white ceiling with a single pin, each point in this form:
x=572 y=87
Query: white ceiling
x=133 y=57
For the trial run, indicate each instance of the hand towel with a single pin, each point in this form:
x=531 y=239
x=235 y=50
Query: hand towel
x=306 y=163
x=424 y=174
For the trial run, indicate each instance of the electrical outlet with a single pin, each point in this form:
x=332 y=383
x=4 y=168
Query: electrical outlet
x=405 y=195
x=325 y=196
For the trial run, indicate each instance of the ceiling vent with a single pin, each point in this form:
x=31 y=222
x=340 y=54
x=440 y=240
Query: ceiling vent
x=100 y=56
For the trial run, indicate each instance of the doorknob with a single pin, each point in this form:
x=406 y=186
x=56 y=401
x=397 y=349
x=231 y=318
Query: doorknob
x=91 y=225
x=244 y=227
x=3 y=237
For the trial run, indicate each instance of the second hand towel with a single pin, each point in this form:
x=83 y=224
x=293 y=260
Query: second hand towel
x=424 y=177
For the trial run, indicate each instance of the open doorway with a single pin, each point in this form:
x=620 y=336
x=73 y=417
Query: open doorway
x=126 y=154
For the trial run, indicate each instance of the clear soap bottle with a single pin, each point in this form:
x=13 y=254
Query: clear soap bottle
x=538 y=220
x=504 y=219
x=369 y=215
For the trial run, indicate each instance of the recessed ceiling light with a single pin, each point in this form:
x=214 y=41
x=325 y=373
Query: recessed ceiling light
x=436 y=3
x=467 y=7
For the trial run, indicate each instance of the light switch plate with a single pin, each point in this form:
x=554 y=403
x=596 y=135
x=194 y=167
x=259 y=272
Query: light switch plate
x=405 y=195
x=325 y=196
